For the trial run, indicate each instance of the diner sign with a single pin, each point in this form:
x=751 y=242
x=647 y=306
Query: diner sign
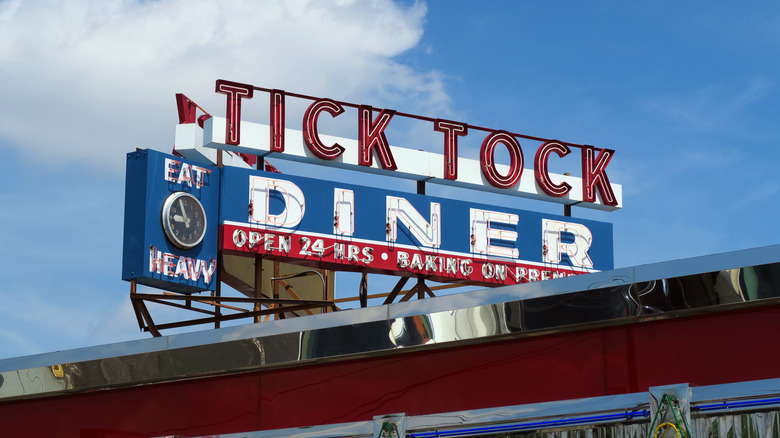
x=341 y=226
x=183 y=211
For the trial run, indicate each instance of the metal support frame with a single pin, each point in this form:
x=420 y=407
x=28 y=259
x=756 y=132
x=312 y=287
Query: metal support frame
x=219 y=308
x=363 y=292
x=275 y=286
x=216 y=303
x=258 y=287
x=420 y=290
x=262 y=307
x=396 y=290
x=218 y=292
x=275 y=306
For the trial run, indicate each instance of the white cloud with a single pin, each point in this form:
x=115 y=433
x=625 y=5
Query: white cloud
x=91 y=80
x=88 y=82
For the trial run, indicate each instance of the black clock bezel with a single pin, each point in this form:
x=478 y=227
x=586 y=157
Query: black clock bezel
x=167 y=224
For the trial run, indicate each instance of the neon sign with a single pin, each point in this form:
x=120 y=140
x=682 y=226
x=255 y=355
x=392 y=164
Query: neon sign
x=350 y=227
x=156 y=250
x=372 y=151
x=181 y=213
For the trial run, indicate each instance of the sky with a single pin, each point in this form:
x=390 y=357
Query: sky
x=686 y=93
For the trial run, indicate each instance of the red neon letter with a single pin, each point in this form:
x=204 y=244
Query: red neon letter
x=594 y=176
x=277 y=121
x=310 y=135
x=451 y=130
x=487 y=159
x=540 y=168
x=235 y=92
x=372 y=134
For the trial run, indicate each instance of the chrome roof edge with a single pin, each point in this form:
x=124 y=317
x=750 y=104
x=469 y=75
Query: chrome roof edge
x=616 y=277
x=590 y=281
x=198 y=338
x=708 y=263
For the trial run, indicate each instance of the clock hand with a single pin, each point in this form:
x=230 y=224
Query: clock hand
x=178 y=218
x=184 y=214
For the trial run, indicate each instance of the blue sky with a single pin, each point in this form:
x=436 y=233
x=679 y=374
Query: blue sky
x=686 y=93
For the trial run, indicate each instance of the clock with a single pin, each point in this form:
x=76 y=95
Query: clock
x=183 y=220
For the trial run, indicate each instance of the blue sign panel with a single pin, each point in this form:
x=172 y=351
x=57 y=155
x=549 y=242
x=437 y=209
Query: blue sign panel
x=171 y=222
x=349 y=227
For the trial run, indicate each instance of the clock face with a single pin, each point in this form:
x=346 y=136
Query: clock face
x=183 y=220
